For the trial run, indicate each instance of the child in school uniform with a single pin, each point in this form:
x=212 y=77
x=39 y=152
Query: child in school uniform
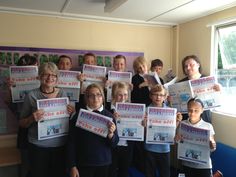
x=88 y=59
x=122 y=154
x=195 y=109
x=119 y=64
x=89 y=155
x=64 y=63
x=157 y=156
x=140 y=92
x=156 y=69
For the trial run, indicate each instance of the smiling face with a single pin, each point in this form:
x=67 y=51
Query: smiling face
x=191 y=67
x=121 y=95
x=119 y=64
x=94 y=98
x=195 y=110
x=142 y=69
x=48 y=79
x=65 y=64
x=48 y=75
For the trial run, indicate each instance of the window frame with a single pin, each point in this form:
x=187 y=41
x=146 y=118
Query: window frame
x=214 y=59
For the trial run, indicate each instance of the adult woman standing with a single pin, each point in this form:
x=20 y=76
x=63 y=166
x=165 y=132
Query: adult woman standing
x=47 y=158
x=192 y=69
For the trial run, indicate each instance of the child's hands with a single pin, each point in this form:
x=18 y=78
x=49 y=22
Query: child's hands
x=178 y=138
x=108 y=83
x=111 y=129
x=81 y=77
x=217 y=87
x=70 y=109
x=212 y=144
x=144 y=121
x=104 y=79
x=116 y=115
x=179 y=118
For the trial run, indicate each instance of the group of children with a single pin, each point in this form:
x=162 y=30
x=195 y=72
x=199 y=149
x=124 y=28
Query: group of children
x=89 y=155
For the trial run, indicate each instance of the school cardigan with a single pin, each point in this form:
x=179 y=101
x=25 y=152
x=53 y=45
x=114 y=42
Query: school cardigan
x=88 y=149
x=139 y=95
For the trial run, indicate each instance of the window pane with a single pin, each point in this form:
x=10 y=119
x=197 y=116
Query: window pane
x=226 y=67
x=227 y=44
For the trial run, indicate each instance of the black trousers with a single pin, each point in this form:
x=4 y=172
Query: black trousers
x=121 y=160
x=194 y=172
x=93 y=171
x=154 y=161
x=47 y=162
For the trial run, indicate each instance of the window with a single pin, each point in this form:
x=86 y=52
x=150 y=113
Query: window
x=225 y=65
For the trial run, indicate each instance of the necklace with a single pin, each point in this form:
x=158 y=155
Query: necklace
x=41 y=90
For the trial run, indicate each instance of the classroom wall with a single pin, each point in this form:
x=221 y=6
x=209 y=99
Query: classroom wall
x=168 y=43
x=195 y=38
x=54 y=32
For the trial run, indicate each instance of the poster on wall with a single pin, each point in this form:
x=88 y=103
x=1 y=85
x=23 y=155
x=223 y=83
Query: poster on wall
x=4 y=74
x=10 y=56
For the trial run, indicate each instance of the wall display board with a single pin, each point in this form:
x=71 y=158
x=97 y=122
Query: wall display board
x=9 y=56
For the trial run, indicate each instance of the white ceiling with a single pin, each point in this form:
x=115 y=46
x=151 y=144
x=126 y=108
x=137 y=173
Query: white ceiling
x=154 y=12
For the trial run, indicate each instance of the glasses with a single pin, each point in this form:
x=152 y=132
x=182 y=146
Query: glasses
x=158 y=95
x=93 y=96
x=53 y=76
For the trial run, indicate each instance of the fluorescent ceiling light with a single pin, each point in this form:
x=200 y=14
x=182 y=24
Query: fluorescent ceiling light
x=111 y=5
